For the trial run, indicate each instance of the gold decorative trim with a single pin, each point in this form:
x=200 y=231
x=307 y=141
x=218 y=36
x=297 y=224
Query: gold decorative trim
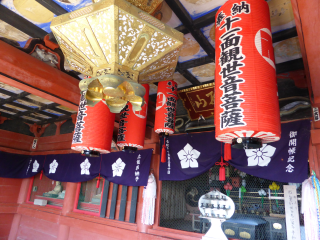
x=148 y=6
x=153 y=21
x=115 y=37
x=80 y=12
x=197 y=87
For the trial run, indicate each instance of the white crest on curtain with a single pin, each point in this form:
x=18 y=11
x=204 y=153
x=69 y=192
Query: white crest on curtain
x=261 y=156
x=188 y=157
x=118 y=167
x=53 y=166
x=85 y=166
x=35 y=166
x=149 y=196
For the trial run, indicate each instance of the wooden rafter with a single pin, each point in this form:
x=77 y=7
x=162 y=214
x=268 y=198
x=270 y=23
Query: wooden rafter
x=188 y=75
x=53 y=7
x=187 y=21
x=195 y=63
x=21 y=23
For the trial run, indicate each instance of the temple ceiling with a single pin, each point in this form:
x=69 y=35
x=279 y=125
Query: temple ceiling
x=25 y=21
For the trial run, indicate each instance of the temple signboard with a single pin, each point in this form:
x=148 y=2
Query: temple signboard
x=199 y=101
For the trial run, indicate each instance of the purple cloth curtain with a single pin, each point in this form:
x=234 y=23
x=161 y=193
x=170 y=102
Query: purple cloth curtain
x=189 y=155
x=130 y=169
x=285 y=160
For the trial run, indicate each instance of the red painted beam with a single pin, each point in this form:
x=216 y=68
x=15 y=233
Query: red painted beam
x=29 y=74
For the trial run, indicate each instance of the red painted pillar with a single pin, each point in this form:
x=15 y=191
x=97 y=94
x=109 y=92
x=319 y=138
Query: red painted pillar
x=21 y=199
x=63 y=232
x=305 y=12
x=68 y=204
x=14 y=227
x=69 y=198
x=24 y=190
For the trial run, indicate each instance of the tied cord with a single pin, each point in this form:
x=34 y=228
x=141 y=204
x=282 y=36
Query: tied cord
x=227 y=152
x=98 y=182
x=41 y=174
x=222 y=170
x=164 y=150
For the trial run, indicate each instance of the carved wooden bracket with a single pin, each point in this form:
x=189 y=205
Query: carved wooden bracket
x=74 y=118
x=2 y=119
x=37 y=130
x=59 y=126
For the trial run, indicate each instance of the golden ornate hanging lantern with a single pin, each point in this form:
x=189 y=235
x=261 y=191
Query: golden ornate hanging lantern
x=119 y=46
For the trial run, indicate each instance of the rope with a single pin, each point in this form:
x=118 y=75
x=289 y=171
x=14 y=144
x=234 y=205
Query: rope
x=41 y=174
x=98 y=182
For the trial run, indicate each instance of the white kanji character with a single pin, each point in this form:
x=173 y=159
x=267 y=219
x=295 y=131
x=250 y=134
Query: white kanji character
x=293 y=134
x=137 y=167
x=290 y=168
x=292 y=150
x=293 y=142
x=291 y=159
x=138 y=161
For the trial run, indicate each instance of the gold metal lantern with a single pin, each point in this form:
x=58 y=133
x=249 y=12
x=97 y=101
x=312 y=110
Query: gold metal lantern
x=120 y=47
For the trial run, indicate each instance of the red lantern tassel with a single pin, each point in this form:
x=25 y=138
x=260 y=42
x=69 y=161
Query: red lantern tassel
x=227 y=152
x=222 y=174
x=41 y=174
x=163 y=153
x=222 y=170
x=98 y=182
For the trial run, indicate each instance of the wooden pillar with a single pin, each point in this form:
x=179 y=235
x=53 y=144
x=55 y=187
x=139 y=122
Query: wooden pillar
x=69 y=198
x=24 y=190
x=307 y=18
x=14 y=227
x=63 y=232
x=68 y=204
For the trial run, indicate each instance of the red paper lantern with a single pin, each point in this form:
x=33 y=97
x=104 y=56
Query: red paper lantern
x=166 y=107
x=94 y=127
x=132 y=125
x=246 y=101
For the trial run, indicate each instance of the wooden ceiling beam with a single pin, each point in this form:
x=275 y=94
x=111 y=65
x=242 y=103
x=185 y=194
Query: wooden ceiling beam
x=29 y=74
x=187 y=21
x=13 y=97
x=188 y=76
x=289 y=66
x=53 y=7
x=285 y=34
x=195 y=62
x=21 y=23
x=205 y=20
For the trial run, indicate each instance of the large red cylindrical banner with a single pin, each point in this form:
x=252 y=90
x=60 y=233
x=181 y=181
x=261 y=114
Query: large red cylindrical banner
x=132 y=125
x=94 y=127
x=246 y=101
x=166 y=107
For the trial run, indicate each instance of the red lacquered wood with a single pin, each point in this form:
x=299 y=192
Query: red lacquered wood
x=34 y=76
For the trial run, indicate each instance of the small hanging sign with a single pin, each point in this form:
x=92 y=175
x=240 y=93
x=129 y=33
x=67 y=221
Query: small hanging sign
x=316 y=114
x=34 y=143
